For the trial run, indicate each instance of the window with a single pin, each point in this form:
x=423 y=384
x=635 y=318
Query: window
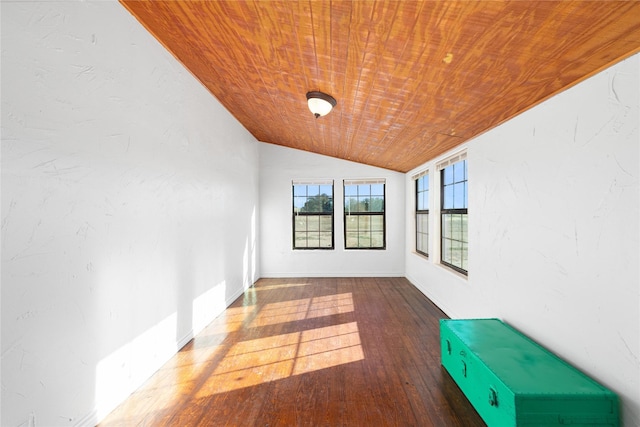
x=364 y=218
x=422 y=213
x=454 y=243
x=313 y=215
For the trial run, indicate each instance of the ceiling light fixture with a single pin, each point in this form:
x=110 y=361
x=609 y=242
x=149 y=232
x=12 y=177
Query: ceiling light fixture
x=320 y=103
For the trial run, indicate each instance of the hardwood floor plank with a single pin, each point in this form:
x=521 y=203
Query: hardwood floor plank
x=309 y=352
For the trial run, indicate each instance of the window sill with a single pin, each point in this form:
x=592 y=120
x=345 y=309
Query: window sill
x=421 y=255
x=452 y=271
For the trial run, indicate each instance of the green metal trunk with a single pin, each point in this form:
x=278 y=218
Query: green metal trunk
x=512 y=381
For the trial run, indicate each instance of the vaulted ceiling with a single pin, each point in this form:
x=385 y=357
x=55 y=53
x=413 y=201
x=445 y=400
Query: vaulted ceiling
x=413 y=79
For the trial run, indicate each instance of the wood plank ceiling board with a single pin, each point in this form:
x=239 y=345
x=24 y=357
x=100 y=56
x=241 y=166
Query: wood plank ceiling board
x=413 y=79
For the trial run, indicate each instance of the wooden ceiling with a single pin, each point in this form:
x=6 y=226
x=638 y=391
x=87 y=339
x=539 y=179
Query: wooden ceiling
x=413 y=79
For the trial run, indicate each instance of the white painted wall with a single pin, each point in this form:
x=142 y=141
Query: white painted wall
x=129 y=209
x=278 y=167
x=554 y=230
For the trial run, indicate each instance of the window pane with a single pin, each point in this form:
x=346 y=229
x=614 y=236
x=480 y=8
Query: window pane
x=300 y=224
x=309 y=205
x=458 y=195
x=456 y=253
x=350 y=190
x=321 y=203
x=425 y=222
x=313 y=190
x=454 y=240
x=326 y=189
x=351 y=205
x=298 y=203
x=351 y=239
x=364 y=223
x=299 y=190
x=301 y=240
x=327 y=204
x=446 y=250
x=377 y=223
x=364 y=204
x=447 y=175
x=377 y=189
x=364 y=240
x=364 y=190
x=448 y=197
x=424 y=243
x=460 y=171
x=313 y=240
x=446 y=226
x=422 y=193
x=465 y=229
x=377 y=239
x=456 y=227
x=326 y=223
x=313 y=223
x=422 y=233
x=377 y=204
x=325 y=240
x=351 y=223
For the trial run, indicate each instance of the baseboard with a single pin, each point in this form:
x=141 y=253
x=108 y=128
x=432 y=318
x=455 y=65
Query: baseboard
x=289 y=275
x=450 y=313
x=231 y=298
x=182 y=342
x=191 y=334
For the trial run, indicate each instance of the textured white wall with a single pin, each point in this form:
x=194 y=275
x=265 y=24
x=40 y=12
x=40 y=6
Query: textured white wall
x=129 y=209
x=278 y=167
x=554 y=230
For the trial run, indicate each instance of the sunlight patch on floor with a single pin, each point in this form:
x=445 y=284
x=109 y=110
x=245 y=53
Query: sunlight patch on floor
x=230 y=320
x=251 y=362
x=306 y=308
x=258 y=361
x=282 y=286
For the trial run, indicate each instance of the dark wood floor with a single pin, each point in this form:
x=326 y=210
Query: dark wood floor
x=309 y=352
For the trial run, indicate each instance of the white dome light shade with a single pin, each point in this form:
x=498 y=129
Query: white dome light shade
x=320 y=103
